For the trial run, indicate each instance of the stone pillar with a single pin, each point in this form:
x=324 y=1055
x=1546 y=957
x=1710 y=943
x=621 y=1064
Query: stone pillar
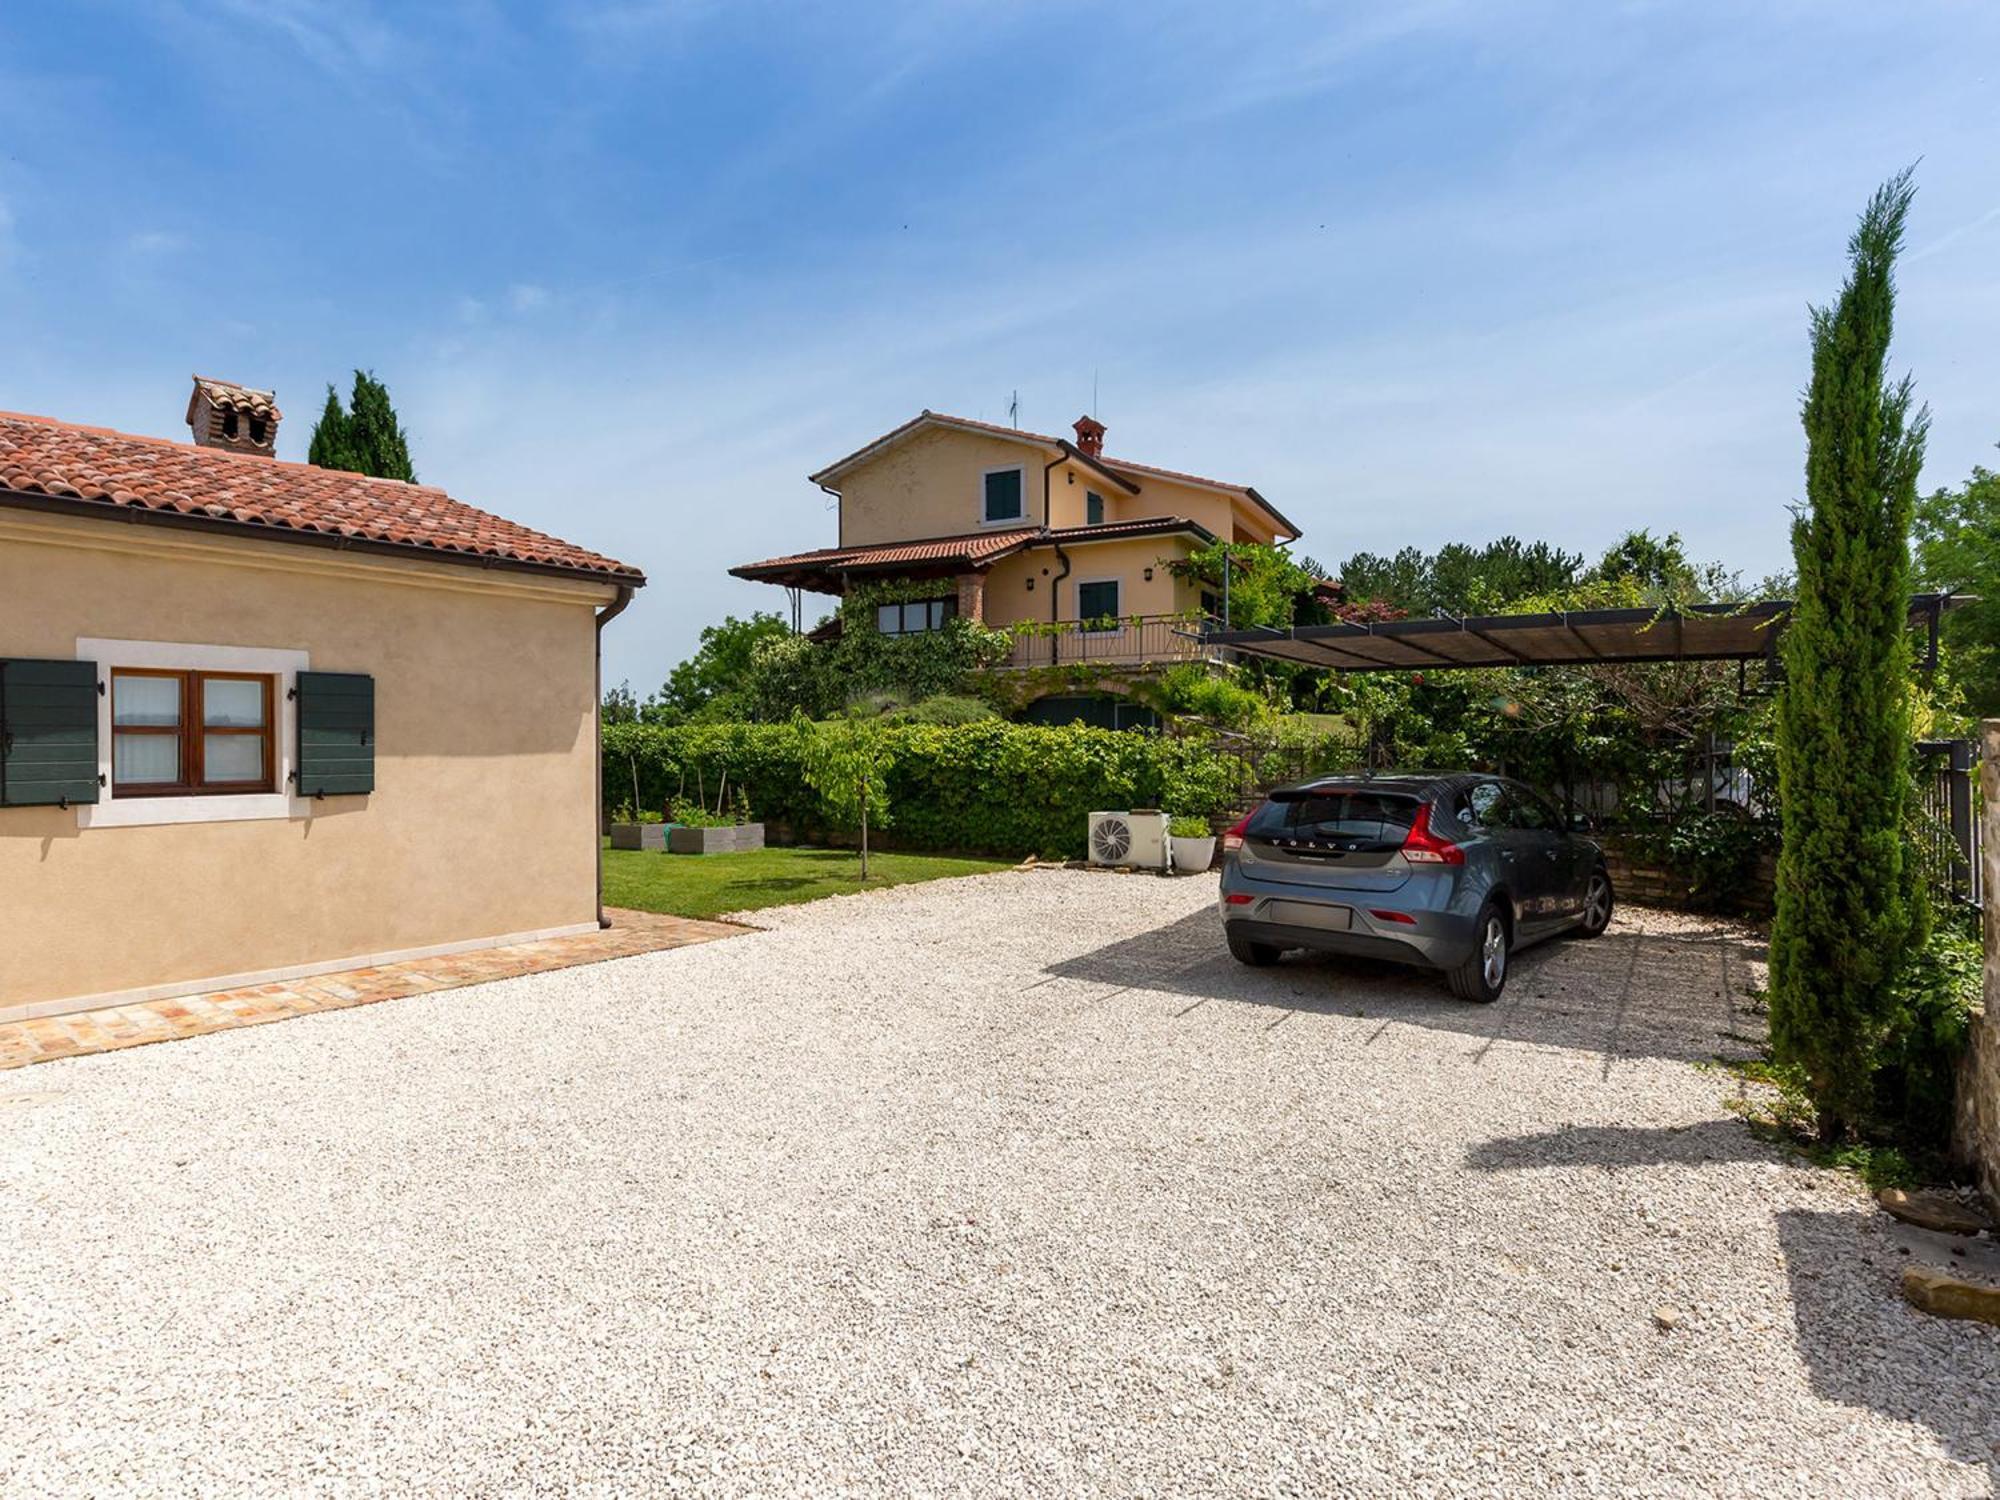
x=972 y=597
x=1976 y=1140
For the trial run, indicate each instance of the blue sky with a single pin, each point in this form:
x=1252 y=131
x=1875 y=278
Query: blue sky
x=1422 y=272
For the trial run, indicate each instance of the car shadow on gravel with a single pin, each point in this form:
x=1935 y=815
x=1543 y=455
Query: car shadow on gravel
x=1865 y=1347
x=1679 y=995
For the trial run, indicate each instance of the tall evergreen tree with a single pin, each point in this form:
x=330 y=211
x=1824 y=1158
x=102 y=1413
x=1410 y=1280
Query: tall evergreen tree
x=1848 y=904
x=366 y=438
x=330 y=448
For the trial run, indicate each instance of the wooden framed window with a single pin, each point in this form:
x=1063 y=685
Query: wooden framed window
x=1093 y=508
x=182 y=734
x=916 y=616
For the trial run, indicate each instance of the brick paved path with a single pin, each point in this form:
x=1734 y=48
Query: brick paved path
x=49 y=1037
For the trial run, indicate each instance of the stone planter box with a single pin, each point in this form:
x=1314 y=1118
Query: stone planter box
x=640 y=836
x=739 y=839
x=1191 y=855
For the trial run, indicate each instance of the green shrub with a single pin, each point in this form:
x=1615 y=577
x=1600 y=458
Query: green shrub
x=1193 y=691
x=948 y=709
x=1717 y=854
x=1182 y=826
x=989 y=787
x=1932 y=995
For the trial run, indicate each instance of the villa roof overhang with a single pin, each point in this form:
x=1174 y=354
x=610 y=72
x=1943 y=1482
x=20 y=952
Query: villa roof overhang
x=1582 y=637
x=827 y=570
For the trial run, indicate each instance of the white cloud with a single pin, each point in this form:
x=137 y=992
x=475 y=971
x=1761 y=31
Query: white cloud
x=526 y=297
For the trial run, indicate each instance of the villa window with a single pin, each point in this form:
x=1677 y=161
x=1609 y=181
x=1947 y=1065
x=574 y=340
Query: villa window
x=1093 y=508
x=1002 y=499
x=1098 y=603
x=916 y=616
x=190 y=733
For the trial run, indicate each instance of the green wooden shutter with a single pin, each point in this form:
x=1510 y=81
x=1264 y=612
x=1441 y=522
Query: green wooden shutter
x=48 y=733
x=336 y=734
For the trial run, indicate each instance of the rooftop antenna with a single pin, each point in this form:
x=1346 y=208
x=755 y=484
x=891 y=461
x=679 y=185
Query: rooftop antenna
x=1014 y=410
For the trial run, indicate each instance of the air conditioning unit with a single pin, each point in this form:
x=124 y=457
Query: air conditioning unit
x=1138 y=839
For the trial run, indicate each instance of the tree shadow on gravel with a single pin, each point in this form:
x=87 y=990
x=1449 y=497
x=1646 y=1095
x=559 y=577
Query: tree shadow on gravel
x=1864 y=1346
x=1614 y=1146
x=1676 y=995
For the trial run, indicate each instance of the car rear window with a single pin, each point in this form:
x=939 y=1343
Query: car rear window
x=1377 y=817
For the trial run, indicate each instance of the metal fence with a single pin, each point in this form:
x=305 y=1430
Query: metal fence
x=1948 y=824
x=1129 y=642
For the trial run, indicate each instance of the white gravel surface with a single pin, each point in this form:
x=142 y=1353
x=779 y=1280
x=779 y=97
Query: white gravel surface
x=1012 y=1185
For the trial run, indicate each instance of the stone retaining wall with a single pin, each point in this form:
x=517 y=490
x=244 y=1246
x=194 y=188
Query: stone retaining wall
x=1650 y=885
x=1976 y=1138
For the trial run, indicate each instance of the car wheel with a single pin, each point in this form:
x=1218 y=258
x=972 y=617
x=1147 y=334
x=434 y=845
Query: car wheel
x=1483 y=976
x=1257 y=955
x=1597 y=905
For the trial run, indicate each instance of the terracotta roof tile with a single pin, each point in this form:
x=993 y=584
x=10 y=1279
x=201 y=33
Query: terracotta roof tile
x=41 y=456
x=972 y=550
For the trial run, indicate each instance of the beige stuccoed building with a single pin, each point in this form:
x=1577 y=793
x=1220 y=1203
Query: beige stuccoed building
x=260 y=720
x=1072 y=549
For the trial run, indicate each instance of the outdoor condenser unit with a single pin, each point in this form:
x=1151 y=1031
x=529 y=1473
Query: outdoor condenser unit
x=1137 y=838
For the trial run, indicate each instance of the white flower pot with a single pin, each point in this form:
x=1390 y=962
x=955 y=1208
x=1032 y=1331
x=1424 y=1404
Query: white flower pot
x=1191 y=856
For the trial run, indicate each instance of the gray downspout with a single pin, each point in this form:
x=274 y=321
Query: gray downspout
x=1055 y=591
x=605 y=616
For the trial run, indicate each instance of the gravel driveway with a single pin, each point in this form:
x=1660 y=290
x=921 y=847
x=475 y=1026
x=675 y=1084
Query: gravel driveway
x=1009 y=1184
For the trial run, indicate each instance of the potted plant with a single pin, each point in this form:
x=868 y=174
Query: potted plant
x=1191 y=843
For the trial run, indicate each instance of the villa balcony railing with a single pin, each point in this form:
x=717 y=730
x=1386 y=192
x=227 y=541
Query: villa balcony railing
x=1134 y=641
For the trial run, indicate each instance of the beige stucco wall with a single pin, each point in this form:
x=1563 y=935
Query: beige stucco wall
x=932 y=484
x=483 y=820
x=1008 y=599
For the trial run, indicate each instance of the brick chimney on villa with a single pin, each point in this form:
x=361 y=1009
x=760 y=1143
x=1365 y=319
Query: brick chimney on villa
x=222 y=414
x=1090 y=435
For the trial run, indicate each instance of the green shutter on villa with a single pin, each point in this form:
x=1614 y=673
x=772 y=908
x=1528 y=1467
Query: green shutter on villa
x=336 y=734
x=1096 y=601
x=48 y=733
x=1003 y=495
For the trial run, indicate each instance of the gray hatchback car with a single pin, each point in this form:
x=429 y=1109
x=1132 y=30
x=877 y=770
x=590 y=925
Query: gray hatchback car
x=1448 y=872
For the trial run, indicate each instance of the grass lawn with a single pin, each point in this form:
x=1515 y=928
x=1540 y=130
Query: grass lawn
x=707 y=885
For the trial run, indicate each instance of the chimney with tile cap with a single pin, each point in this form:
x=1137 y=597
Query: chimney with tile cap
x=1090 y=435
x=223 y=414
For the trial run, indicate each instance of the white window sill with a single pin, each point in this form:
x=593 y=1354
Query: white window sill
x=143 y=812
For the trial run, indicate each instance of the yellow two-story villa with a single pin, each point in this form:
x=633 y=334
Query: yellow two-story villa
x=1018 y=527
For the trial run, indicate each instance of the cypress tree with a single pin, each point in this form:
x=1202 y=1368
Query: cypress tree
x=330 y=448
x=378 y=438
x=366 y=438
x=1848 y=902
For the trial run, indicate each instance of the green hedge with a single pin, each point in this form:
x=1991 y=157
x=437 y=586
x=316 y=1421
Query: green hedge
x=989 y=788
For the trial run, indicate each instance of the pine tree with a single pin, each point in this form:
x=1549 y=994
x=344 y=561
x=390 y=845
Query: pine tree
x=366 y=438
x=1848 y=902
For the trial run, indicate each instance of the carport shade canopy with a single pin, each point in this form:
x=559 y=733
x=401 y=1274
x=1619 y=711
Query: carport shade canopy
x=1551 y=638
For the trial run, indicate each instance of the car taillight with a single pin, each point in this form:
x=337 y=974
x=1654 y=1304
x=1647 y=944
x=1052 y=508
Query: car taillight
x=1423 y=847
x=1393 y=916
x=1233 y=839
